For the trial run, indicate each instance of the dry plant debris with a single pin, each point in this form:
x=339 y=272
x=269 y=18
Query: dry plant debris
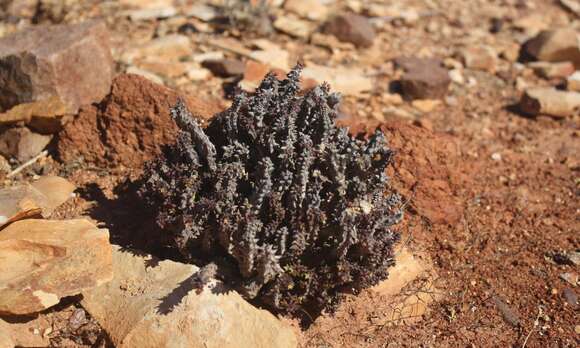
x=301 y=208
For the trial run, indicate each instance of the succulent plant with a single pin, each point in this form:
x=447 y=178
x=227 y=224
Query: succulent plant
x=300 y=208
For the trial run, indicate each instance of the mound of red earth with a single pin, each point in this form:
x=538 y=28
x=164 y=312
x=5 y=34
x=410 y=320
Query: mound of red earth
x=129 y=126
x=427 y=169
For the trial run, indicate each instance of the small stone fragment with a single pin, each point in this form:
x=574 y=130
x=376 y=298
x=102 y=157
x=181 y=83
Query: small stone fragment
x=426 y=105
x=225 y=67
x=571 y=5
x=77 y=319
x=348 y=81
x=167 y=48
x=5 y=167
x=202 y=12
x=549 y=101
x=164 y=69
x=558 y=45
x=35 y=64
x=253 y=74
x=20 y=202
x=275 y=57
x=573 y=82
x=508 y=314
x=407 y=308
x=133 y=70
x=457 y=76
x=549 y=70
x=43 y=261
x=511 y=52
x=351 y=28
x=571 y=258
x=294 y=27
x=425 y=81
x=21 y=143
x=570 y=277
x=570 y=297
x=198 y=74
x=154 y=307
x=479 y=58
x=311 y=9
x=57 y=190
x=152 y=13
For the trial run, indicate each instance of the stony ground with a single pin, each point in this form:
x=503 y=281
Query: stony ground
x=492 y=182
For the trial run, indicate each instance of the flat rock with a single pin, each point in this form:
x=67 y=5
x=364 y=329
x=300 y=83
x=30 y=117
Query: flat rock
x=152 y=13
x=43 y=261
x=167 y=48
x=293 y=26
x=407 y=308
x=21 y=143
x=164 y=69
x=351 y=28
x=311 y=9
x=348 y=81
x=424 y=79
x=39 y=198
x=145 y=4
x=559 y=45
x=275 y=57
x=155 y=307
x=35 y=64
x=45 y=115
x=550 y=101
x=202 y=12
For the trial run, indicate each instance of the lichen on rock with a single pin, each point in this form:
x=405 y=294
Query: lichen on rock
x=302 y=209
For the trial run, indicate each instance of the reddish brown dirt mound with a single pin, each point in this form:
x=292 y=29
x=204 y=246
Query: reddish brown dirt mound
x=129 y=126
x=431 y=161
x=427 y=162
